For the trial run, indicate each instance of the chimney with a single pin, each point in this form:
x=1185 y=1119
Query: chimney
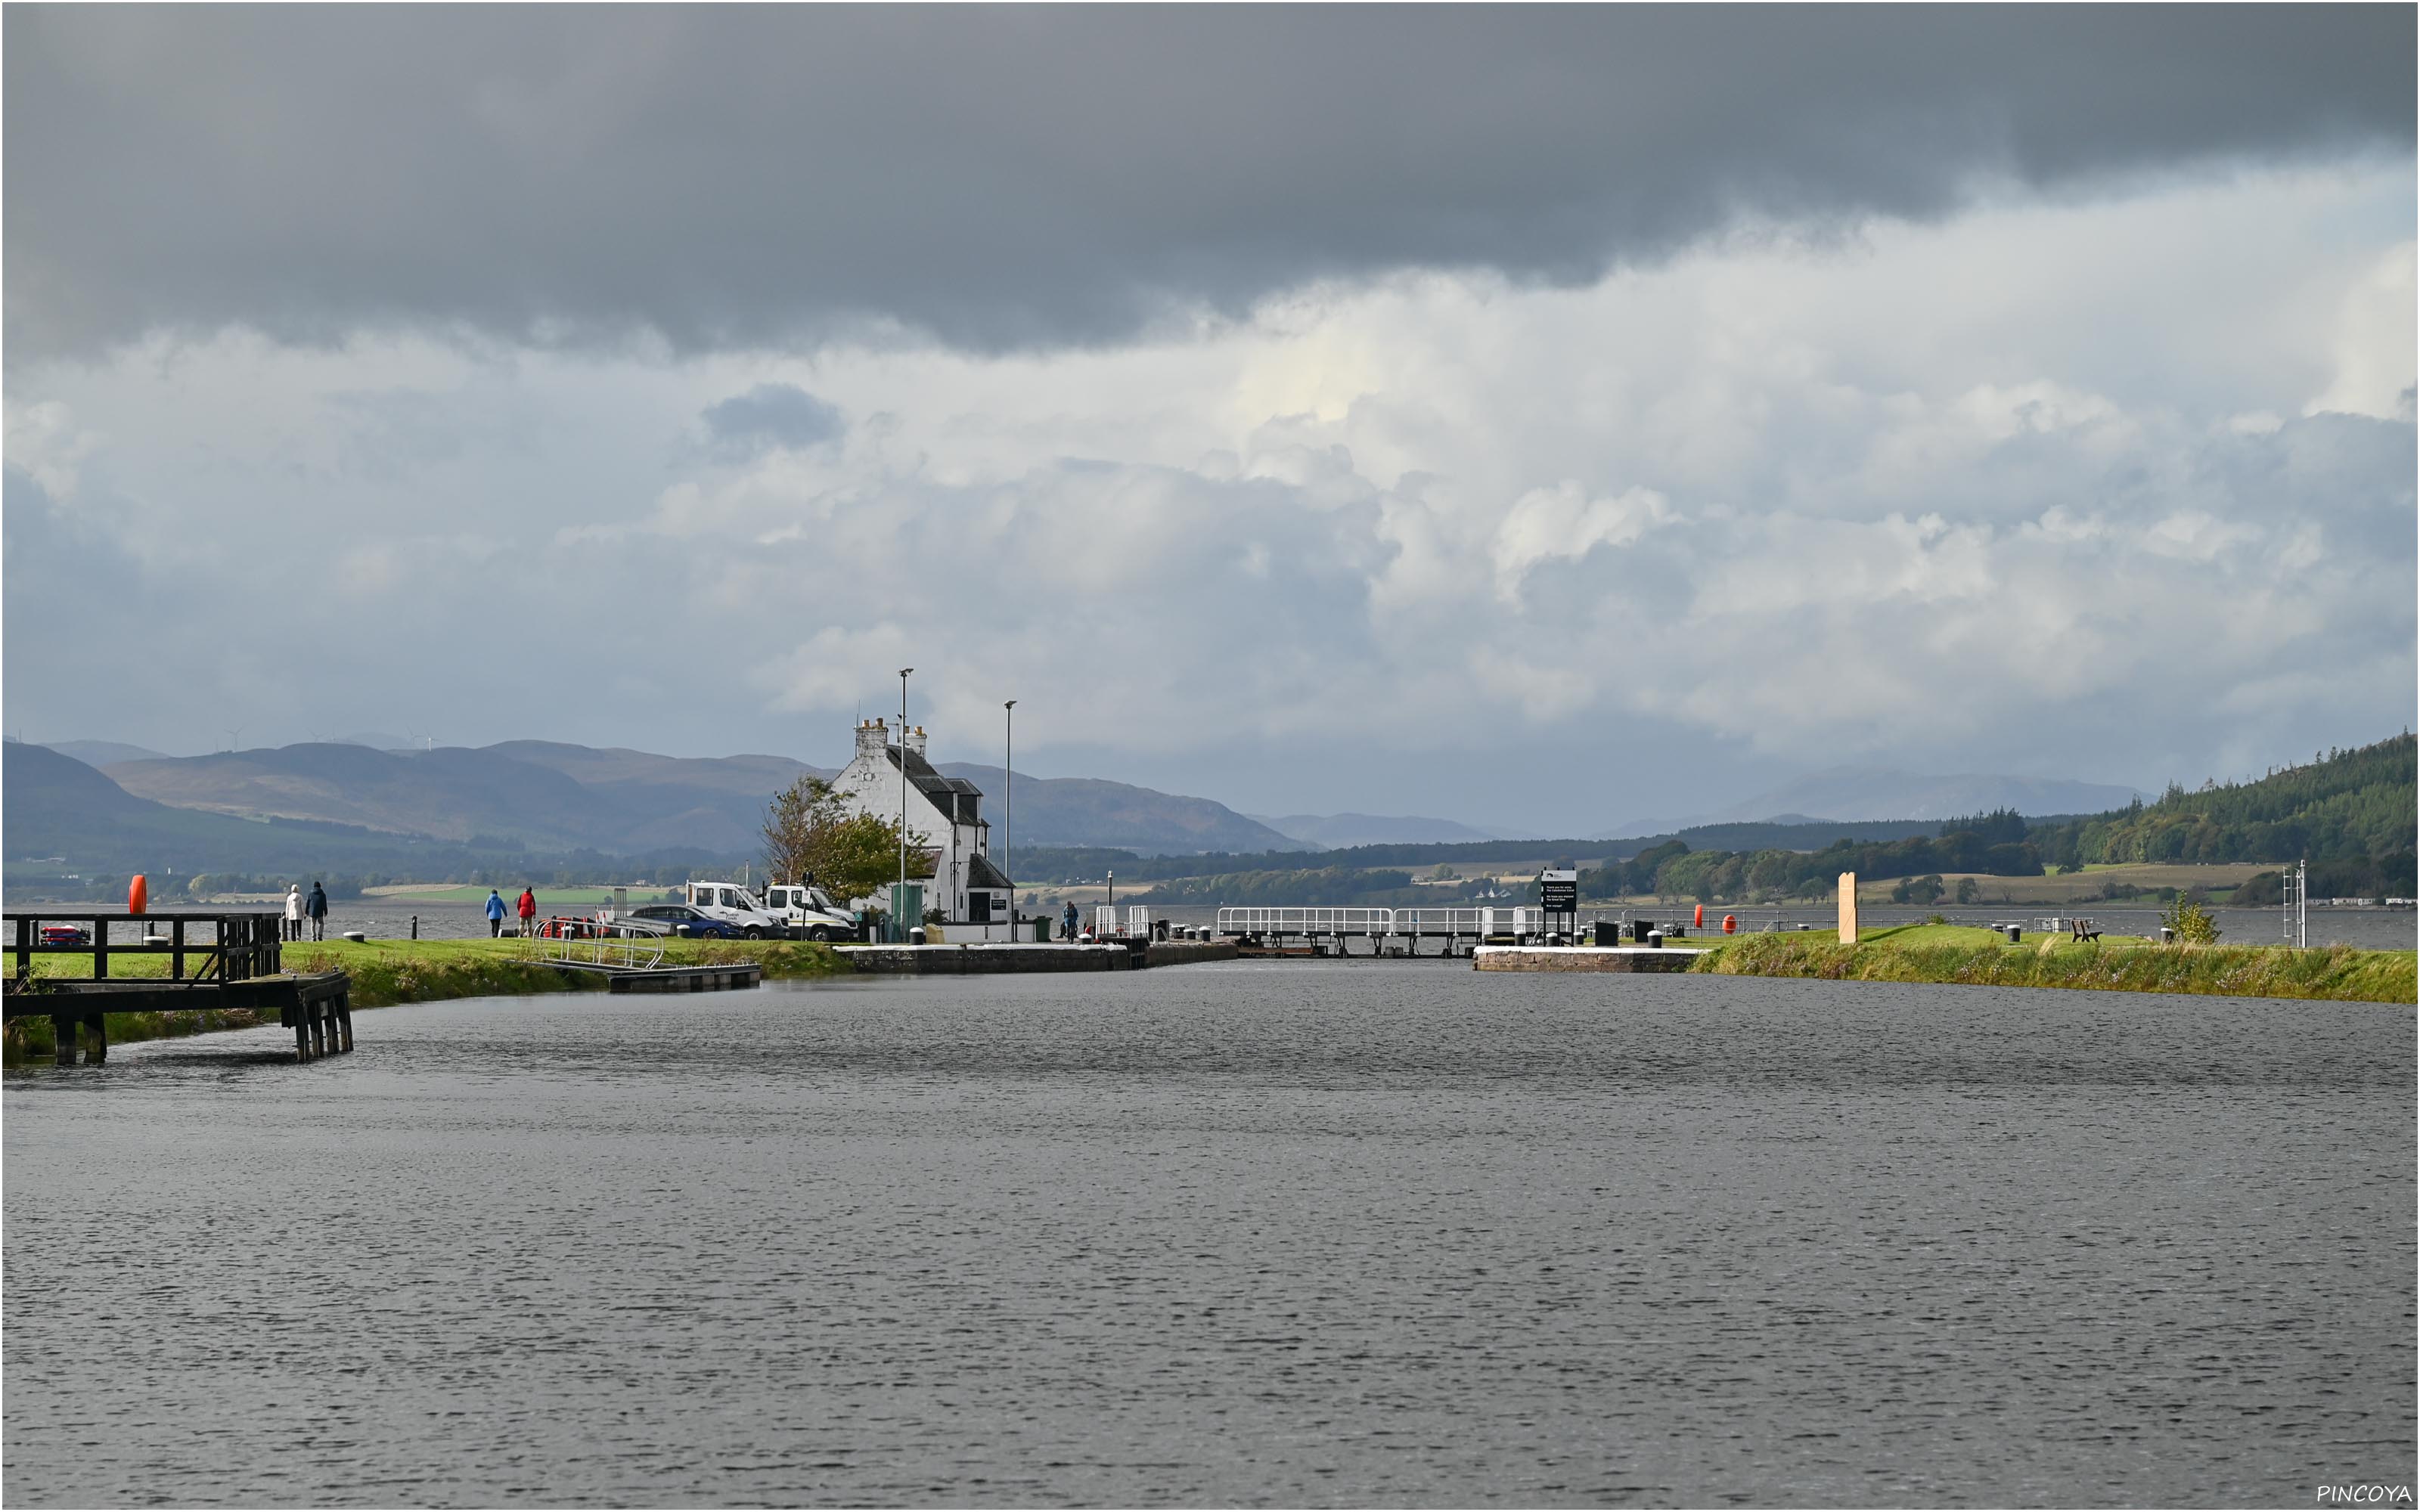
x=914 y=742
x=872 y=737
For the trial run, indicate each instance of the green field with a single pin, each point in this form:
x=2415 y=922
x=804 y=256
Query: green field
x=1953 y=955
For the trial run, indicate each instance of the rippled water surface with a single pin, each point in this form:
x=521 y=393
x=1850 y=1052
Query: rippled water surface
x=1302 y=1233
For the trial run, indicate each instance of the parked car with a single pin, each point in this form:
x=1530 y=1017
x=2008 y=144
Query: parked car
x=681 y=918
x=66 y=935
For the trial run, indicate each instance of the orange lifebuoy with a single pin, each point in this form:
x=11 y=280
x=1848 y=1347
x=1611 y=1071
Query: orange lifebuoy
x=138 y=894
x=1699 y=922
x=1731 y=923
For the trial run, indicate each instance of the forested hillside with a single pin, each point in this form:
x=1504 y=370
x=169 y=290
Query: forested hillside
x=2347 y=805
x=2350 y=812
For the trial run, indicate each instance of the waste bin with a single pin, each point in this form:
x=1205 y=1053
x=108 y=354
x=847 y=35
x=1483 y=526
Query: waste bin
x=1041 y=932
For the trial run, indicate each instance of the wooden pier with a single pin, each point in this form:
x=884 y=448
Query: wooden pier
x=215 y=961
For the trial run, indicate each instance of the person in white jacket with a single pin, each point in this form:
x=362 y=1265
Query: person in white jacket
x=294 y=912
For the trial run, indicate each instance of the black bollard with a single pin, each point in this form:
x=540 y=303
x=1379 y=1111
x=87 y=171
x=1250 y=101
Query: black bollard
x=415 y=926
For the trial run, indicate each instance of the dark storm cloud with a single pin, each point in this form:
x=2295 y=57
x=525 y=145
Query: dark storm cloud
x=1004 y=176
x=769 y=415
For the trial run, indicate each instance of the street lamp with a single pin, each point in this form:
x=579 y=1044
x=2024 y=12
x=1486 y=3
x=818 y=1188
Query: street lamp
x=1008 y=845
x=899 y=899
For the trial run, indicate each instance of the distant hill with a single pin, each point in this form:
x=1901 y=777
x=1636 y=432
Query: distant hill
x=714 y=801
x=104 y=752
x=1089 y=811
x=2344 y=805
x=1326 y=830
x=100 y=834
x=61 y=807
x=555 y=796
x=1857 y=793
x=449 y=794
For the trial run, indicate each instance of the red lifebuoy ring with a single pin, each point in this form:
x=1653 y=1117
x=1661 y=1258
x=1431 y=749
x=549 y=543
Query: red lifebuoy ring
x=1699 y=922
x=1731 y=923
x=138 y=894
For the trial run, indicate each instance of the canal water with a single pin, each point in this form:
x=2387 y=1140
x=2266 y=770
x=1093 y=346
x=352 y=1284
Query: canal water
x=1250 y=1233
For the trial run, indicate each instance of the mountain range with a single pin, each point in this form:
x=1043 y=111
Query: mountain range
x=1335 y=831
x=1859 y=793
x=553 y=796
x=549 y=796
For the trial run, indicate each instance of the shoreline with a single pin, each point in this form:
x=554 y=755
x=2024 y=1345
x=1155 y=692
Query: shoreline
x=388 y=973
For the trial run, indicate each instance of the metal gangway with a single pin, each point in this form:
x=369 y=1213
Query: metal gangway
x=1458 y=928
x=597 y=943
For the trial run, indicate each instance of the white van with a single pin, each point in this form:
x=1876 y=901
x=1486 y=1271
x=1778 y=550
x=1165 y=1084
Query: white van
x=730 y=902
x=810 y=912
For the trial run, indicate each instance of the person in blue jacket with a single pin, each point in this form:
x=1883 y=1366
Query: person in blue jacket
x=317 y=906
x=495 y=912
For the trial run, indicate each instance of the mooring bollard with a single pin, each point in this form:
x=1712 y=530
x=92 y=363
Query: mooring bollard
x=1655 y=939
x=415 y=926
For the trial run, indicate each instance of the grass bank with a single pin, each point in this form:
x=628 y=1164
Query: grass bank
x=387 y=972
x=1979 y=958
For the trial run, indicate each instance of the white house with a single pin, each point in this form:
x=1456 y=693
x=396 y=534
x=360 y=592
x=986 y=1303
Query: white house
x=973 y=895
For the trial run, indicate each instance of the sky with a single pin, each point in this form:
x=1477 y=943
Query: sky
x=1539 y=418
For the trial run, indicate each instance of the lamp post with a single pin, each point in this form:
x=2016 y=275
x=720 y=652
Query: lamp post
x=899 y=899
x=1008 y=843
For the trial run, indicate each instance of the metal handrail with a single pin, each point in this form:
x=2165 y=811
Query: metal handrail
x=595 y=941
x=1374 y=922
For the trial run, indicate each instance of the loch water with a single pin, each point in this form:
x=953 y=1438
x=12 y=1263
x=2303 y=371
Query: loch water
x=1249 y=1233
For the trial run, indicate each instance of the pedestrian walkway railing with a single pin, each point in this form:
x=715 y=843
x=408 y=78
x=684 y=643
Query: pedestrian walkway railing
x=1376 y=923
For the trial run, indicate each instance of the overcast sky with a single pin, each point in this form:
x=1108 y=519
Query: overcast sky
x=1540 y=418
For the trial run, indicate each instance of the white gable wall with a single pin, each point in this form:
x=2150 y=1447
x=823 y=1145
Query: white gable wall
x=871 y=783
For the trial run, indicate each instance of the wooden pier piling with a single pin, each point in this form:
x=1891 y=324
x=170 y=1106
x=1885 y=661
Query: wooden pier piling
x=239 y=967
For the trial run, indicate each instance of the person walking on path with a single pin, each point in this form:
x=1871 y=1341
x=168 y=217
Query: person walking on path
x=318 y=909
x=495 y=912
x=529 y=911
x=294 y=912
x=1069 y=918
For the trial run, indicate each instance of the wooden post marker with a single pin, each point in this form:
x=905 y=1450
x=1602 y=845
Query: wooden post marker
x=1848 y=908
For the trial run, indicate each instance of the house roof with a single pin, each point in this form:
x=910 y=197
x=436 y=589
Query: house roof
x=982 y=874
x=929 y=781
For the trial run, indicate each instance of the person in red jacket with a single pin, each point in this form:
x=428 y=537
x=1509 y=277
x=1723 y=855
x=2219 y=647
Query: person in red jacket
x=529 y=911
